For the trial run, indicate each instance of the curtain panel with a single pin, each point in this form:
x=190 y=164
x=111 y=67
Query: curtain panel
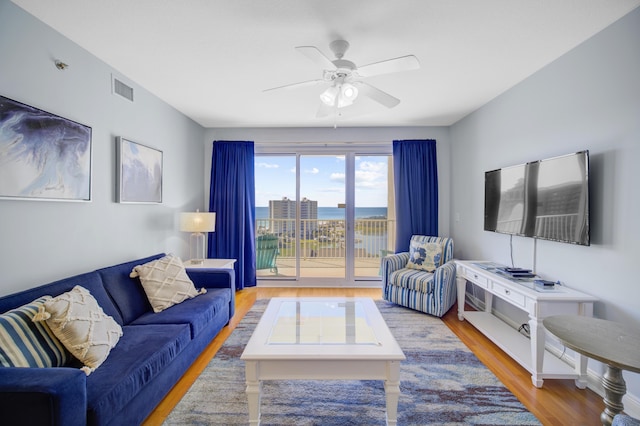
x=232 y=198
x=416 y=187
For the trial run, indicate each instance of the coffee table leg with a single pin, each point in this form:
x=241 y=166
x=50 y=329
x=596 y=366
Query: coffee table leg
x=614 y=390
x=392 y=391
x=254 y=388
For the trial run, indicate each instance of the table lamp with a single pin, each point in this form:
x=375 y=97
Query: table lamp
x=197 y=223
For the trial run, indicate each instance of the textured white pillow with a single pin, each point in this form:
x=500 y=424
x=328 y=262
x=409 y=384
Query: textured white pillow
x=166 y=283
x=81 y=326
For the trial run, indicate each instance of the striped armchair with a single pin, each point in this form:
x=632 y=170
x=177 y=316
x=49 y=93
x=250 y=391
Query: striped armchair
x=432 y=293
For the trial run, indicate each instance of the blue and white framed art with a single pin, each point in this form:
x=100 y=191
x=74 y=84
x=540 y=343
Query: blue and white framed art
x=139 y=172
x=42 y=156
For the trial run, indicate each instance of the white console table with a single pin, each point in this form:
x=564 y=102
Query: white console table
x=538 y=303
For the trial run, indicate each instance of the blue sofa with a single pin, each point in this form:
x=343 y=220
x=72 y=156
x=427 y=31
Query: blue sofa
x=153 y=353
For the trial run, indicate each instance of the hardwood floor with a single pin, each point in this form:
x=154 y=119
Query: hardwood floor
x=558 y=402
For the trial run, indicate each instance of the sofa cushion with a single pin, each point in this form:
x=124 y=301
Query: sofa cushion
x=141 y=354
x=426 y=256
x=25 y=343
x=165 y=282
x=198 y=312
x=81 y=325
x=413 y=279
x=127 y=293
x=91 y=281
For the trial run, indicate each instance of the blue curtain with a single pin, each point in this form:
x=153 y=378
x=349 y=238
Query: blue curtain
x=232 y=198
x=415 y=176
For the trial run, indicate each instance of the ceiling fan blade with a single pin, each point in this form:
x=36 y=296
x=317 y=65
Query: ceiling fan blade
x=377 y=94
x=296 y=85
x=403 y=63
x=317 y=56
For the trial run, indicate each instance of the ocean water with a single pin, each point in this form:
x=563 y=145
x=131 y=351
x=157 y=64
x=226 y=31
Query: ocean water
x=326 y=213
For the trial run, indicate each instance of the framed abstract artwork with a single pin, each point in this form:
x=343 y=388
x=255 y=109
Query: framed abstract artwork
x=139 y=174
x=42 y=156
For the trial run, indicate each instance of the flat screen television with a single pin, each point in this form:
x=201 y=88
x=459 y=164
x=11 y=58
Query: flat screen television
x=546 y=199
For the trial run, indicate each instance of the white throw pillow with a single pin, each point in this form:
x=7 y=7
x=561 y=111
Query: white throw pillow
x=165 y=282
x=81 y=326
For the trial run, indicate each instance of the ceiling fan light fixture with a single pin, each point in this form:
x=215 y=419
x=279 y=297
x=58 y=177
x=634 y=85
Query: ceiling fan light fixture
x=348 y=94
x=329 y=96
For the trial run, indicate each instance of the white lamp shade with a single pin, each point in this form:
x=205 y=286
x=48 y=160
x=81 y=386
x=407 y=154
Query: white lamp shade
x=328 y=97
x=197 y=222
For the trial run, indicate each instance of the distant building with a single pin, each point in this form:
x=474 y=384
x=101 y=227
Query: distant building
x=286 y=209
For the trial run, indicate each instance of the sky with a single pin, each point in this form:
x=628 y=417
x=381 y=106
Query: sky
x=322 y=178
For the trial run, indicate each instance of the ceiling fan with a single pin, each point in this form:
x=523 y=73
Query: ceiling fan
x=345 y=78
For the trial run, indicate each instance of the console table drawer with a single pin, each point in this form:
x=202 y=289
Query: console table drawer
x=509 y=294
x=477 y=279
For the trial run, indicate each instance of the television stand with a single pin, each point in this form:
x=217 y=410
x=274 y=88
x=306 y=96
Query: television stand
x=537 y=303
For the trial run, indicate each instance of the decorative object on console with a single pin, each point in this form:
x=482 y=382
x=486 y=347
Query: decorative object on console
x=43 y=156
x=165 y=282
x=139 y=172
x=198 y=224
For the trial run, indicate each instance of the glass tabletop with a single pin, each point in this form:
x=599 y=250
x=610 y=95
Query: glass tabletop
x=308 y=322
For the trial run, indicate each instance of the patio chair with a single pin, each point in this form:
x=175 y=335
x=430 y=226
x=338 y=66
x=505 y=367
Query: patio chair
x=267 y=252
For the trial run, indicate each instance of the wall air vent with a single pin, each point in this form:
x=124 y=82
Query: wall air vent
x=119 y=88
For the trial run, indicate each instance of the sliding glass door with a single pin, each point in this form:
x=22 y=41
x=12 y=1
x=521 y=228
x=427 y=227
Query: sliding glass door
x=322 y=219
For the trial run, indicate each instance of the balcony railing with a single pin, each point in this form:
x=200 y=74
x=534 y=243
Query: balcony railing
x=323 y=244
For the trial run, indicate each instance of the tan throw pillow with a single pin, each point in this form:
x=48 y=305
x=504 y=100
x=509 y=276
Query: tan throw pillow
x=424 y=256
x=166 y=283
x=81 y=326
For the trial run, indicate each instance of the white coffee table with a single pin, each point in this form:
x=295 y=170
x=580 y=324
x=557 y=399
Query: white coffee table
x=322 y=339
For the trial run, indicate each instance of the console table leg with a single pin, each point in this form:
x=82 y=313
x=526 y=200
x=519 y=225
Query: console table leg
x=462 y=289
x=254 y=388
x=536 y=333
x=614 y=390
x=392 y=392
x=581 y=369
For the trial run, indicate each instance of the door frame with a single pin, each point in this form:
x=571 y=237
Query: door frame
x=350 y=150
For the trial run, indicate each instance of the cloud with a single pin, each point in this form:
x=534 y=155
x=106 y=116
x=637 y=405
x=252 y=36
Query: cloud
x=313 y=171
x=371 y=175
x=337 y=177
x=269 y=165
x=375 y=167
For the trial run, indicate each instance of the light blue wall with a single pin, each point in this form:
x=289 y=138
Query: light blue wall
x=41 y=241
x=587 y=99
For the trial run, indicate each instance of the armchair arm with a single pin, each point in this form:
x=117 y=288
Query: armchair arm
x=52 y=396
x=216 y=278
x=445 y=288
x=392 y=263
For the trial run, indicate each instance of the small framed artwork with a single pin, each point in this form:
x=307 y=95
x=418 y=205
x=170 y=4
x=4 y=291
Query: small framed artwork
x=42 y=156
x=139 y=174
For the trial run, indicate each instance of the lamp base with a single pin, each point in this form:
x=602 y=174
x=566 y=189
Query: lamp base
x=197 y=248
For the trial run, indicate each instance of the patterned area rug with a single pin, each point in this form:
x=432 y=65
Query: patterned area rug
x=442 y=383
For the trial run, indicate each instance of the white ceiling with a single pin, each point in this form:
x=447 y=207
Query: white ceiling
x=212 y=59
